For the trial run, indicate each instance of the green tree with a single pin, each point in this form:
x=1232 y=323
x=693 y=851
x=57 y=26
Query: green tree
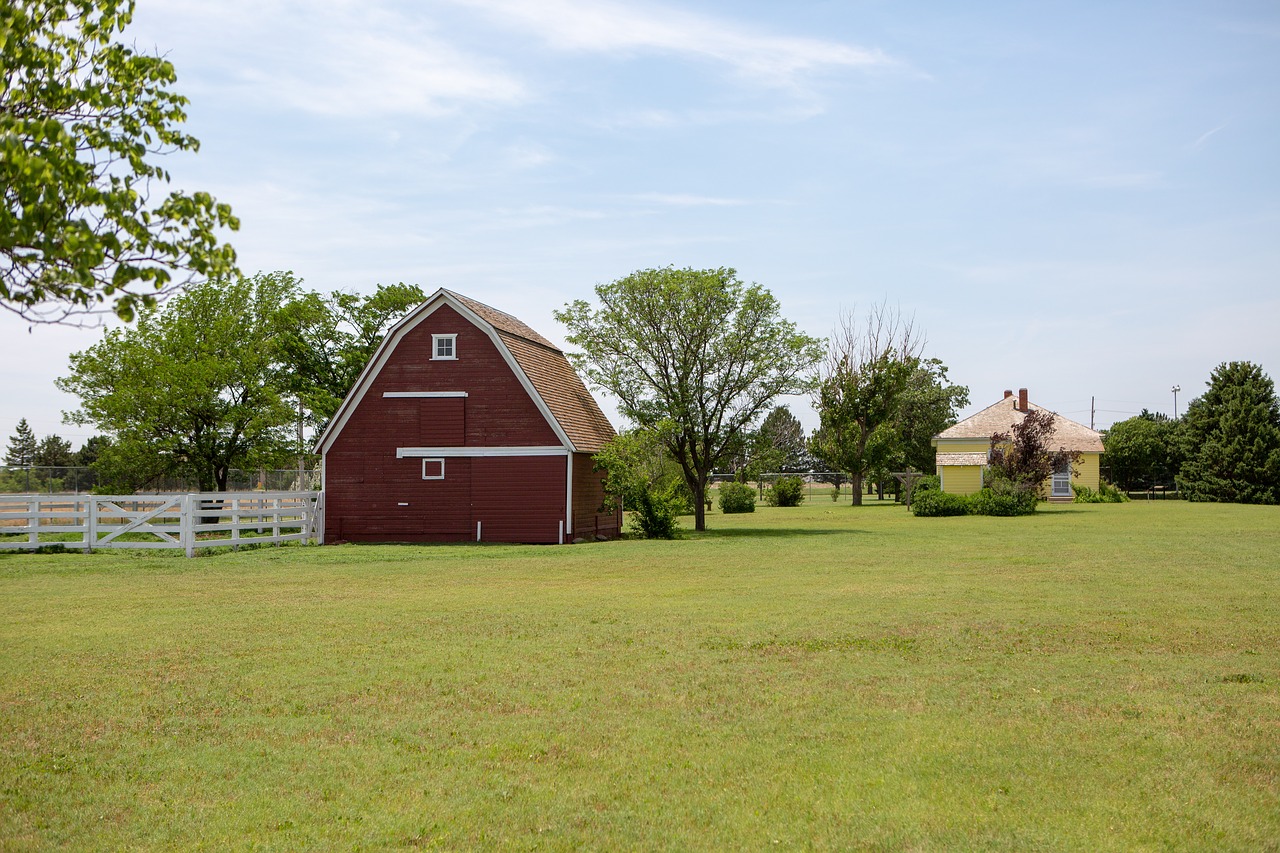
x=192 y=389
x=54 y=451
x=91 y=450
x=22 y=446
x=782 y=435
x=641 y=478
x=1142 y=451
x=328 y=341
x=695 y=349
x=929 y=405
x=82 y=118
x=1231 y=439
x=861 y=391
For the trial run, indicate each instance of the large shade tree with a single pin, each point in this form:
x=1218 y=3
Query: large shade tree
x=1142 y=451
x=85 y=224
x=1231 y=439
x=192 y=389
x=327 y=341
x=696 y=355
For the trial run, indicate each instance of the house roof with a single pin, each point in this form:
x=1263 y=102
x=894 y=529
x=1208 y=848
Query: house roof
x=962 y=459
x=1001 y=416
x=552 y=380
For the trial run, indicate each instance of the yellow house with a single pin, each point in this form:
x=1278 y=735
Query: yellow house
x=962 y=450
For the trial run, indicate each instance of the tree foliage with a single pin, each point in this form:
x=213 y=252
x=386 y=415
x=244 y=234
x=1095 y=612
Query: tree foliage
x=1231 y=439
x=781 y=436
x=1142 y=451
x=54 y=451
x=929 y=405
x=639 y=476
x=22 y=448
x=82 y=117
x=327 y=341
x=1025 y=456
x=192 y=389
x=696 y=350
x=861 y=392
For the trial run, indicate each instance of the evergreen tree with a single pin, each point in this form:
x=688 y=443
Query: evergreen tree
x=22 y=446
x=1231 y=439
x=53 y=451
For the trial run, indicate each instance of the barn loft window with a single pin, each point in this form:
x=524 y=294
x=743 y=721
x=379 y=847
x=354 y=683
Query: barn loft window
x=444 y=347
x=433 y=469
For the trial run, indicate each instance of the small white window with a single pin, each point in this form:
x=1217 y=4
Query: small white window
x=433 y=469
x=444 y=347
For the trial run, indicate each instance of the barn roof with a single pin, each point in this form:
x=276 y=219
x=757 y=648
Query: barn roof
x=555 y=380
x=1001 y=417
x=552 y=379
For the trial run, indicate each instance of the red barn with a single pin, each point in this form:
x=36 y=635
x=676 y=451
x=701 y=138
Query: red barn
x=466 y=425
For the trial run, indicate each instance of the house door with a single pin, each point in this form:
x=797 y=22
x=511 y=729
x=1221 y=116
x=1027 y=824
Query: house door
x=1062 y=481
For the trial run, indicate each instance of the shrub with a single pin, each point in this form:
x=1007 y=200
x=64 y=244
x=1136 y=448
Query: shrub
x=737 y=497
x=929 y=483
x=1003 y=499
x=1106 y=494
x=931 y=503
x=787 y=491
x=654 y=514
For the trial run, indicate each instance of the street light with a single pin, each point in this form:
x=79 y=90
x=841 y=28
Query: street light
x=1175 y=389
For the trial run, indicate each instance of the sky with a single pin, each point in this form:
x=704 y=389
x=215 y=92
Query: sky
x=1082 y=199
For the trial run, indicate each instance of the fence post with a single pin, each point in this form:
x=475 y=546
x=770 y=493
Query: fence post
x=33 y=521
x=91 y=524
x=188 y=533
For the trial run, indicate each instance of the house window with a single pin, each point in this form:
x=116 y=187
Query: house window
x=433 y=469
x=444 y=347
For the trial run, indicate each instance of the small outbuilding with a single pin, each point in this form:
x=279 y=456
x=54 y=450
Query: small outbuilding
x=963 y=450
x=466 y=425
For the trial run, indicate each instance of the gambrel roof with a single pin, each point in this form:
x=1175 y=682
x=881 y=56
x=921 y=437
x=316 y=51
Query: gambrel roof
x=1001 y=417
x=542 y=367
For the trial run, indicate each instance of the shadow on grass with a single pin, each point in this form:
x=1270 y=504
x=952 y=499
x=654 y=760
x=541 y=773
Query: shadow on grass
x=765 y=532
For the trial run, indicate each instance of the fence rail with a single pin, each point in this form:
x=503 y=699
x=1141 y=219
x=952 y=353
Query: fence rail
x=188 y=521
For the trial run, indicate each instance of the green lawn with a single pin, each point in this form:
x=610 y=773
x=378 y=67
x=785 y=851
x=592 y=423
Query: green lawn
x=1091 y=677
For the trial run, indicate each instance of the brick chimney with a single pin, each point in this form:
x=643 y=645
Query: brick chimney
x=1022 y=399
x=1007 y=393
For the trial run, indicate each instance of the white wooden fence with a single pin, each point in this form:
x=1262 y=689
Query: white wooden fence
x=189 y=522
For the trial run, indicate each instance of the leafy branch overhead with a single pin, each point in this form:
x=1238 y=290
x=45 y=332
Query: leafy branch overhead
x=85 y=225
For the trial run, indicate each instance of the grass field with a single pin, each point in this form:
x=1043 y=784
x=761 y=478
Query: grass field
x=1091 y=677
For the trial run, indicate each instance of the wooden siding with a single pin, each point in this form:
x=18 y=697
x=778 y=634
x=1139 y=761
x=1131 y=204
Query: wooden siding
x=517 y=499
x=1088 y=469
x=588 y=495
x=961 y=479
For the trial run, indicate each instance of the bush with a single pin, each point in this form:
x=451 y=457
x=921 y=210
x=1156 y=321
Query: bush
x=737 y=497
x=1106 y=494
x=1004 y=499
x=931 y=503
x=787 y=491
x=654 y=514
x=929 y=483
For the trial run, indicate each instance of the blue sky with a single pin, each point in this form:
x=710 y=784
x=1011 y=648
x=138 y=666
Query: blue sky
x=1082 y=199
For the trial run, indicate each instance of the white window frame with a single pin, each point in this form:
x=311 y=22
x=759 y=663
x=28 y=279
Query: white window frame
x=436 y=340
x=432 y=461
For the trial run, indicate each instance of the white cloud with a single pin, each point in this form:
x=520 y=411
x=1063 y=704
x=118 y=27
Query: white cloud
x=605 y=27
x=331 y=57
x=688 y=200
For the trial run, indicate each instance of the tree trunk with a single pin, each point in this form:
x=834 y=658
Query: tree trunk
x=855 y=482
x=700 y=505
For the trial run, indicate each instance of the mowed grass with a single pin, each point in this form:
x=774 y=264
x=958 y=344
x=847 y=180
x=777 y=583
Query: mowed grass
x=1092 y=677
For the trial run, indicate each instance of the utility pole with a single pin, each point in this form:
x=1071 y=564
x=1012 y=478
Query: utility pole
x=1092 y=409
x=1175 y=389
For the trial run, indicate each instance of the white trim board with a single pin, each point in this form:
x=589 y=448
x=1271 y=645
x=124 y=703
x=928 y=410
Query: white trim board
x=427 y=394
x=477 y=452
